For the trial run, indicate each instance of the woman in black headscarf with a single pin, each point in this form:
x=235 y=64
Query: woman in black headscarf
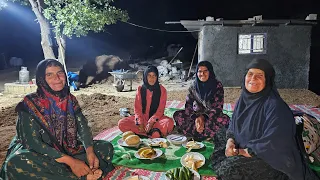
x=149 y=119
x=53 y=139
x=261 y=139
x=203 y=116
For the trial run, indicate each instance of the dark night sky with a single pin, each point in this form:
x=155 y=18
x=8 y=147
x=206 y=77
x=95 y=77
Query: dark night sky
x=20 y=34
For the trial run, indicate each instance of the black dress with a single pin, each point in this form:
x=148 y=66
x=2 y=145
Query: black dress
x=240 y=167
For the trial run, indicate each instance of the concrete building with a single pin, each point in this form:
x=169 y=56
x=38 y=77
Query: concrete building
x=231 y=44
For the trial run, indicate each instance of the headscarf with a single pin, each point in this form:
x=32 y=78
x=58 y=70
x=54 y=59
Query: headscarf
x=260 y=131
x=154 y=88
x=206 y=90
x=267 y=68
x=55 y=110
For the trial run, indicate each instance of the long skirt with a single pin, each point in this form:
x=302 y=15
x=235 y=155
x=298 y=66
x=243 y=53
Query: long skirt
x=240 y=167
x=186 y=125
x=25 y=164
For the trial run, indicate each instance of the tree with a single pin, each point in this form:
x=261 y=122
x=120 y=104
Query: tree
x=66 y=18
x=2 y=4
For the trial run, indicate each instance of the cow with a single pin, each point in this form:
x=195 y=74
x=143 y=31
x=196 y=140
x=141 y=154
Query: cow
x=97 y=71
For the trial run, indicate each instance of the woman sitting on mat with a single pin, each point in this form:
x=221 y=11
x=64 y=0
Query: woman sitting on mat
x=53 y=140
x=262 y=141
x=149 y=106
x=203 y=115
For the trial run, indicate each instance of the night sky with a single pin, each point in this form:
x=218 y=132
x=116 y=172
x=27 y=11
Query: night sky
x=20 y=34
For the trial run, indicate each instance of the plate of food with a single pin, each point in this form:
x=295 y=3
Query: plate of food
x=193 y=160
x=156 y=142
x=124 y=144
x=148 y=153
x=182 y=173
x=176 y=139
x=193 y=145
x=129 y=139
x=137 y=177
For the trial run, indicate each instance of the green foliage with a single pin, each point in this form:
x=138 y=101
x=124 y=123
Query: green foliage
x=78 y=17
x=2 y=4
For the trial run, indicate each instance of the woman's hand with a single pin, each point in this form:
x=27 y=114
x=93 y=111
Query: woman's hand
x=92 y=159
x=231 y=148
x=78 y=167
x=244 y=152
x=199 y=124
x=149 y=126
x=141 y=128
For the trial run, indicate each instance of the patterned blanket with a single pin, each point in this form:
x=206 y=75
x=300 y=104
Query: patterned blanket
x=120 y=172
x=170 y=158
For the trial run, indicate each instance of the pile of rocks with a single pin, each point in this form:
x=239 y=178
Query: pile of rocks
x=167 y=71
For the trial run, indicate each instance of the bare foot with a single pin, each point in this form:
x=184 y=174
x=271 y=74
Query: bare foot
x=96 y=175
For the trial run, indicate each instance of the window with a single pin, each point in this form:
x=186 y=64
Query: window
x=252 y=43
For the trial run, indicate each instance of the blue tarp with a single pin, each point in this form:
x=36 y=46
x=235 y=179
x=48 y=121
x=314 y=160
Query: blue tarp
x=73 y=77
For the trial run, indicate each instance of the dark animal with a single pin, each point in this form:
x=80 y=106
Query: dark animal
x=97 y=71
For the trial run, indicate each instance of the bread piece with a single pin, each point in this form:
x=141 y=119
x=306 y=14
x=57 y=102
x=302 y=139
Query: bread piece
x=126 y=134
x=193 y=144
x=132 y=140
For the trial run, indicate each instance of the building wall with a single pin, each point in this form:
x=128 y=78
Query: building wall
x=288 y=49
x=314 y=82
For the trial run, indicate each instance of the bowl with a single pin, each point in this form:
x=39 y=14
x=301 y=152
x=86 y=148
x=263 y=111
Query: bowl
x=195 y=157
x=176 y=139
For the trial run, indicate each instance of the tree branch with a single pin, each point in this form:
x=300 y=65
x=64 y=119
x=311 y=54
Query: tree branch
x=35 y=9
x=39 y=5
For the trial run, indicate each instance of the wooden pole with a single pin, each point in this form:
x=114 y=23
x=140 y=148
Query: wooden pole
x=176 y=55
x=195 y=50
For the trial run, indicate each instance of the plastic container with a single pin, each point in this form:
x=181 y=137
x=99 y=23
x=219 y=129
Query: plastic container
x=124 y=112
x=24 y=75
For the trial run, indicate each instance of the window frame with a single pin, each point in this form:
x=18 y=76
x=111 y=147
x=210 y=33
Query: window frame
x=253 y=43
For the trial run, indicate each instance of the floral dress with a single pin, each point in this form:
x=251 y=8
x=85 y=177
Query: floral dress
x=211 y=109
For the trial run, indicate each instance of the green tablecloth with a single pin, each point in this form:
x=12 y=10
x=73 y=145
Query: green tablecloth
x=124 y=156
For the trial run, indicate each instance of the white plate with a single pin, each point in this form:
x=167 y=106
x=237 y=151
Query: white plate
x=121 y=142
x=196 y=156
x=201 y=145
x=196 y=175
x=176 y=139
x=156 y=141
x=158 y=154
x=137 y=177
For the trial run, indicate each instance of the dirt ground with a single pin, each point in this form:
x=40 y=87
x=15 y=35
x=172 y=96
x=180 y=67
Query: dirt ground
x=100 y=104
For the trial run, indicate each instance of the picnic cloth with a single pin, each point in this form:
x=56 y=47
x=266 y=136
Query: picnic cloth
x=170 y=158
x=124 y=156
x=120 y=172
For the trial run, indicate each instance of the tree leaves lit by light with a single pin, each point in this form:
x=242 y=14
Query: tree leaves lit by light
x=78 y=17
x=2 y=4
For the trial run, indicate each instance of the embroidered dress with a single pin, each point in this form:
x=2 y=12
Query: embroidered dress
x=204 y=98
x=51 y=125
x=211 y=109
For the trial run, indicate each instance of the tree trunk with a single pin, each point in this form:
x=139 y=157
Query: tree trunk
x=61 y=41
x=46 y=41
